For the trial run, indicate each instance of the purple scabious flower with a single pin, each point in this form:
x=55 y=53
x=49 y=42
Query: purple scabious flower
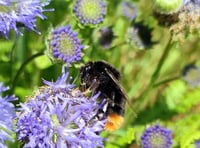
x=197 y=144
x=139 y=35
x=191 y=75
x=129 y=10
x=65 y=45
x=90 y=12
x=7 y=112
x=58 y=115
x=106 y=37
x=19 y=12
x=156 y=137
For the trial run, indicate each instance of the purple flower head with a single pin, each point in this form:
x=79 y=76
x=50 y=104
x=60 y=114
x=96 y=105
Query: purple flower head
x=196 y=2
x=7 y=112
x=191 y=74
x=58 y=115
x=90 y=12
x=65 y=45
x=197 y=144
x=187 y=21
x=156 y=137
x=19 y=12
x=191 y=6
x=191 y=1
x=129 y=10
x=140 y=35
x=106 y=37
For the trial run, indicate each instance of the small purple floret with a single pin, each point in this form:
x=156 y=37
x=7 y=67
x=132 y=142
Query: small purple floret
x=156 y=137
x=65 y=45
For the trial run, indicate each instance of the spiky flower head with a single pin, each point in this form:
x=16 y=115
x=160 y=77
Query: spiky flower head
x=65 y=45
x=189 y=21
x=156 y=137
x=90 y=12
x=14 y=13
x=167 y=6
x=58 y=115
x=7 y=112
x=129 y=10
x=185 y=22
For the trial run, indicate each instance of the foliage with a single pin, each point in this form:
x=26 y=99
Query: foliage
x=151 y=74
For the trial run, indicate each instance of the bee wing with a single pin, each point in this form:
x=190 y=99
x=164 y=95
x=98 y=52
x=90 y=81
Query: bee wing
x=119 y=87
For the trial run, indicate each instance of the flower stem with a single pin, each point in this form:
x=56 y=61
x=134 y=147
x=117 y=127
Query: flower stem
x=165 y=81
x=11 y=59
x=22 y=68
x=143 y=99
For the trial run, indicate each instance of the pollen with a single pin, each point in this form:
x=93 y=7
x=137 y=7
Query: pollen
x=114 y=122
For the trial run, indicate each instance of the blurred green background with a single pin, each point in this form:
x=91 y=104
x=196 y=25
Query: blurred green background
x=152 y=77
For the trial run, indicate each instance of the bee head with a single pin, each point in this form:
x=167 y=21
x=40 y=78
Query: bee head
x=86 y=74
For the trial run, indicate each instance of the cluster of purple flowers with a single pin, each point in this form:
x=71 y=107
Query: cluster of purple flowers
x=58 y=115
x=7 y=112
x=156 y=137
x=14 y=13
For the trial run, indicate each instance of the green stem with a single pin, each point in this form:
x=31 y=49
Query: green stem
x=165 y=81
x=22 y=68
x=11 y=59
x=161 y=62
x=118 y=45
x=143 y=99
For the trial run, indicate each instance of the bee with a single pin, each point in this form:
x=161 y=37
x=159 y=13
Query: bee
x=99 y=76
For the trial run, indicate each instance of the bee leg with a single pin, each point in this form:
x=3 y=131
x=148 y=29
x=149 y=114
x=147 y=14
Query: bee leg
x=82 y=87
x=92 y=88
x=94 y=85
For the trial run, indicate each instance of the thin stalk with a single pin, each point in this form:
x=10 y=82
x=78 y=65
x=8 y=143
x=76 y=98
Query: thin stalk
x=11 y=60
x=143 y=99
x=22 y=68
x=165 y=81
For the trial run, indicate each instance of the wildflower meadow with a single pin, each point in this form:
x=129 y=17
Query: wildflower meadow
x=99 y=73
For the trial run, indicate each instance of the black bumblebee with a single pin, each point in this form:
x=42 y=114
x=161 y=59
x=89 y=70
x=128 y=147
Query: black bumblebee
x=101 y=77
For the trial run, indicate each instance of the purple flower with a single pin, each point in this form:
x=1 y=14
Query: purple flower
x=129 y=10
x=58 y=115
x=191 y=1
x=90 y=12
x=140 y=36
x=65 y=44
x=191 y=74
x=7 y=112
x=191 y=6
x=106 y=37
x=197 y=144
x=19 y=12
x=156 y=137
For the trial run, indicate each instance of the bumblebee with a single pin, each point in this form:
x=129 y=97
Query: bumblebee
x=99 y=76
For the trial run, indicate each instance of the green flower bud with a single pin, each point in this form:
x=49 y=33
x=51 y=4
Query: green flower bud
x=167 y=6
